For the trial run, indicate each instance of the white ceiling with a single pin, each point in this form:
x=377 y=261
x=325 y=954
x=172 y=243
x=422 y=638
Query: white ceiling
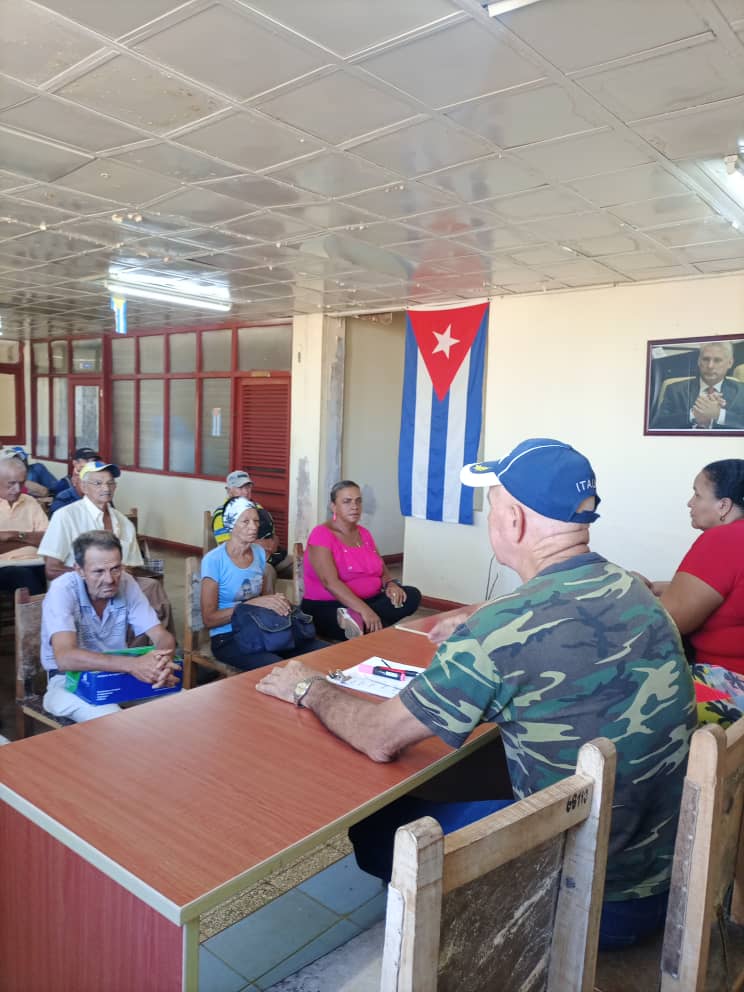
x=360 y=155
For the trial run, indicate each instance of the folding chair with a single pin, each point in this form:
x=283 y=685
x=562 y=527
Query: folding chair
x=196 y=650
x=30 y=676
x=511 y=902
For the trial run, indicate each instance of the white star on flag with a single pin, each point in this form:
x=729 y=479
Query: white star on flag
x=445 y=342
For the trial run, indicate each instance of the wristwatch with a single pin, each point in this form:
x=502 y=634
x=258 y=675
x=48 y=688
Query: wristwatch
x=303 y=687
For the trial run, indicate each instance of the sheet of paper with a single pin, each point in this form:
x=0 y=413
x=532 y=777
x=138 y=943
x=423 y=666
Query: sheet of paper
x=376 y=685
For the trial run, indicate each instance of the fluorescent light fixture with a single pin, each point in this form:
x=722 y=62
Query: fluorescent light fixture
x=504 y=6
x=161 y=296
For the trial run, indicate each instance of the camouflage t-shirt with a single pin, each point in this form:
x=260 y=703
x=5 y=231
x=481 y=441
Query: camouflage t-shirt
x=582 y=650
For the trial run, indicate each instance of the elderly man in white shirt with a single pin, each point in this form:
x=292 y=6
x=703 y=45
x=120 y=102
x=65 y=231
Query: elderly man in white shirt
x=95 y=512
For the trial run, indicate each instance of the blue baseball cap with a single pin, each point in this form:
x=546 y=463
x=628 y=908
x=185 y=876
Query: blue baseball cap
x=548 y=476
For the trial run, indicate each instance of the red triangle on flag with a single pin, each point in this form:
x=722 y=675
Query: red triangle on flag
x=444 y=338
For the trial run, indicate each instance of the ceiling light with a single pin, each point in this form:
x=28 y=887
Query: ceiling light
x=504 y=6
x=162 y=296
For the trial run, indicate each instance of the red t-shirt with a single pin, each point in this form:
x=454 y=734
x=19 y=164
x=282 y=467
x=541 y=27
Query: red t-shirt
x=717 y=558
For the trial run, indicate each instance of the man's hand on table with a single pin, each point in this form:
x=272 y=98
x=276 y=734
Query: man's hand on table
x=447 y=624
x=280 y=682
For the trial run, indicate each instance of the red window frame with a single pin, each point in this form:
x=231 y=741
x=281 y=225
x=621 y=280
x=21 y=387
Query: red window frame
x=15 y=369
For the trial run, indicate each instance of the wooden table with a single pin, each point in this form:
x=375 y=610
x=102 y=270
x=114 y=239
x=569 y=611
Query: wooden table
x=117 y=834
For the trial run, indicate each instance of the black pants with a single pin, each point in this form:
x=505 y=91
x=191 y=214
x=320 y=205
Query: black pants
x=323 y=611
x=31 y=577
x=225 y=648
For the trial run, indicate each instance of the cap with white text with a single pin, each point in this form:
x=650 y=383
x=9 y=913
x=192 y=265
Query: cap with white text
x=100 y=467
x=548 y=476
x=238 y=478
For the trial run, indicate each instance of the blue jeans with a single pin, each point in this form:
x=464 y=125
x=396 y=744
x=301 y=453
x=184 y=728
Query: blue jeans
x=621 y=925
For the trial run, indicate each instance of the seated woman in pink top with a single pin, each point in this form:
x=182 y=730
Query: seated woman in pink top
x=348 y=589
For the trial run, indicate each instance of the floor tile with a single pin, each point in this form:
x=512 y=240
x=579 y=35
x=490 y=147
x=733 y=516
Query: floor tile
x=371 y=912
x=259 y=943
x=343 y=887
x=338 y=935
x=353 y=967
x=215 y=976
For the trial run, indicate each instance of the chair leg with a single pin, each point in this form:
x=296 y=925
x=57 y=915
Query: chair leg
x=188 y=672
x=24 y=724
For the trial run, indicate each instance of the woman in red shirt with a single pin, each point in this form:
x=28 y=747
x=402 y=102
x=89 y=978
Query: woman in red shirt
x=706 y=596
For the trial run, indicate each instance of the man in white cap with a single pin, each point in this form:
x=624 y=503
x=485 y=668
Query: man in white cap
x=238 y=483
x=581 y=649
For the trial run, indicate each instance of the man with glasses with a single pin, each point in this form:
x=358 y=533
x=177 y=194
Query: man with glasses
x=96 y=512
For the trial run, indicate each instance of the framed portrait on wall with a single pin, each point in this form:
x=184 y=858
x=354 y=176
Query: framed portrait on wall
x=695 y=386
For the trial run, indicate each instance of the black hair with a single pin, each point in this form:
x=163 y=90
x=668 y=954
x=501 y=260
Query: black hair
x=727 y=479
x=343 y=484
x=103 y=539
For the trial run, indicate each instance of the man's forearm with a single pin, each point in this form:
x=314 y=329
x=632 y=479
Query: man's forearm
x=347 y=716
x=81 y=660
x=10 y=540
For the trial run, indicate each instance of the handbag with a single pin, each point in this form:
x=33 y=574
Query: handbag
x=257 y=628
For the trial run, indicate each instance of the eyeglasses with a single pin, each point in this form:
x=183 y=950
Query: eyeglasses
x=100 y=485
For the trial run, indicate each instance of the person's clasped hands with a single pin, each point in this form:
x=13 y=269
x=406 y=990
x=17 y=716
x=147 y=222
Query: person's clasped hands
x=275 y=601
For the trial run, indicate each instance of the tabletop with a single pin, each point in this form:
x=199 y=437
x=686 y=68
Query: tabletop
x=195 y=796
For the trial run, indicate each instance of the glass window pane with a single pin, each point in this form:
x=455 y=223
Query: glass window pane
x=152 y=354
x=41 y=448
x=216 y=420
x=122 y=407
x=216 y=351
x=8 y=425
x=59 y=406
x=86 y=417
x=41 y=357
x=59 y=357
x=86 y=356
x=265 y=347
x=122 y=356
x=182 y=352
x=10 y=352
x=182 y=426
x=151 y=423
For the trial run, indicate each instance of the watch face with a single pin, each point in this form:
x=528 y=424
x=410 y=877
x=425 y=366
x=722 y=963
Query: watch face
x=301 y=688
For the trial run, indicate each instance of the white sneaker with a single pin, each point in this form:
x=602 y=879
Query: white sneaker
x=350 y=622
x=4 y=740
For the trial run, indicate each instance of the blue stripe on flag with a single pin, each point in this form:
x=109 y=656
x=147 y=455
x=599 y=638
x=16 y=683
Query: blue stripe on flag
x=407 y=422
x=474 y=417
x=437 y=456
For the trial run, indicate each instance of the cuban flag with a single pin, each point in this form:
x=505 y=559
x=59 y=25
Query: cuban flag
x=442 y=411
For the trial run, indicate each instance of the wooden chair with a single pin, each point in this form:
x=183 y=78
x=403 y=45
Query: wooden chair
x=294 y=588
x=196 y=650
x=208 y=541
x=511 y=902
x=707 y=891
x=30 y=676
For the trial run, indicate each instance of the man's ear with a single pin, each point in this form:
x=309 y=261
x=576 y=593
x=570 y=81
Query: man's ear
x=77 y=569
x=517 y=522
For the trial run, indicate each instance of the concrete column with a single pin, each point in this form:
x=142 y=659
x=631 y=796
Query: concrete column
x=318 y=359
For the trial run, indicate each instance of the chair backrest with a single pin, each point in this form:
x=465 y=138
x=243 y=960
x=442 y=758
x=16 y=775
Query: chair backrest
x=27 y=642
x=194 y=630
x=298 y=553
x=511 y=902
x=208 y=541
x=668 y=382
x=708 y=856
x=738 y=373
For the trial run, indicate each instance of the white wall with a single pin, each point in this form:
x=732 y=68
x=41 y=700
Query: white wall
x=371 y=424
x=572 y=366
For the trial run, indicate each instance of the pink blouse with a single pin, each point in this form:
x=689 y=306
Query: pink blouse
x=360 y=568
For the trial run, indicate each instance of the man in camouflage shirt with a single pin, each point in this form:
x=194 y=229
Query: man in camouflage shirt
x=581 y=649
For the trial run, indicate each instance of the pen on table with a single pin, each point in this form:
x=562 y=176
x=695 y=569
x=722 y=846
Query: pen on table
x=388 y=672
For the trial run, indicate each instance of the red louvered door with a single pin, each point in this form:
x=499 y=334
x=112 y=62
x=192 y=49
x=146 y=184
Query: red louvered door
x=262 y=442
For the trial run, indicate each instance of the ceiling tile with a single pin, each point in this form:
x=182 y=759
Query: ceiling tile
x=36 y=158
x=36 y=46
x=637 y=262
x=644 y=182
x=721 y=265
x=112 y=19
x=665 y=210
x=423 y=147
x=175 y=161
x=583 y=272
x=574 y=34
x=67 y=199
x=667 y=81
x=524 y=116
x=732 y=9
x=115 y=181
x=584 y=155
x=537 y=203
x=496 y=239
x=706 y=131
x=390 y=233
x=270 y=226
x=572 y=227
x=274 y=58
x=141 y=94
x=10 y=228
x=44 y=246
x=541 y=255
x=696 y=232
x=31 y=213
x=485 y=178
x=13 y=92
x=339 y=106
x=248 y=140
x=330 y=214
x=625 y=241
x=70 y=124
x=426 y=68
x=401 y=200
x=732 y=248
x=346 y=27
x=452 y=221
x=202 y=206
x=10 y=182
x=260 y=191
x=334 y=174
